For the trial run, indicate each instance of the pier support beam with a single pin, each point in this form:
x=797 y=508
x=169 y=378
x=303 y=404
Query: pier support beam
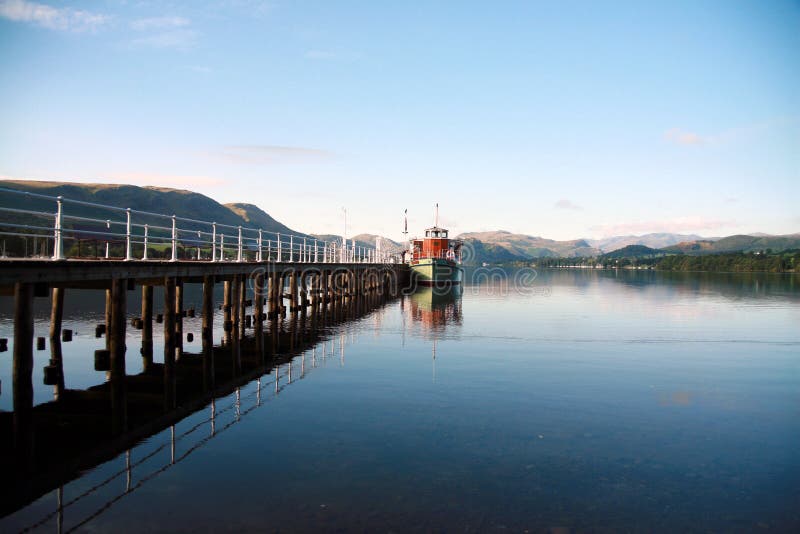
x=23 y=374
x=108 y=318
x=242 y=306
x=56 y=359
x=169 y=343
x=258 y=312
x=119 y=412
x=226 y=311
x=208 y=332
x=293 y=291
x=272 y=299
x=147 y=327
x=178 y=319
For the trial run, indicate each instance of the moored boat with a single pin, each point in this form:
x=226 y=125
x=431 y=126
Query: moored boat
x=436 y=259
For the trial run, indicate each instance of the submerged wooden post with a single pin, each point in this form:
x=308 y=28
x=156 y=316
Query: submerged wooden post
x=208 y=332
x=178 y=319
x=119 y=290
x=147 y=327
x=169 y=343
x=23 y=373
x=56 y=359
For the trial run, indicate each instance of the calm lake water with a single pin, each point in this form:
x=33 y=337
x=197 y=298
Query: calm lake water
x=630 y=401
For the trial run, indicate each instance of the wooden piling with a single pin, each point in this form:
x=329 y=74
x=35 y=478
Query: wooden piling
x=119 y=291
x=108 y=317
x=147 y=327
x=57 y=363
x=22 y=374
x=178 y=319
x=169 y=343
x=242 y=306
x=293 y=291
x=226 y=311
x=258 y=312
x=208 y=332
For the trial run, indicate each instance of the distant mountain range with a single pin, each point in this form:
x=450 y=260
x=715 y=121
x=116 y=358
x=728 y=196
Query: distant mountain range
x=490 y=247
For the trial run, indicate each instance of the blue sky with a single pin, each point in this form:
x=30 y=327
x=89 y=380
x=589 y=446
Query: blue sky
x=559 y=119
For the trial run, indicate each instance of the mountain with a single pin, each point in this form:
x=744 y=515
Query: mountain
x=257 y=218
x=386 y=243
x=632 y=251
x=162 y=200
x=501 y=246
x=364 y=240
x=738 y=243
x=655 y=240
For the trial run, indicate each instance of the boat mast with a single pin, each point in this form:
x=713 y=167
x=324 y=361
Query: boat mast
x=436 y=216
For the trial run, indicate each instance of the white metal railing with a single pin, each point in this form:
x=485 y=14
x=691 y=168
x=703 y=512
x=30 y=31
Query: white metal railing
x=136 y=235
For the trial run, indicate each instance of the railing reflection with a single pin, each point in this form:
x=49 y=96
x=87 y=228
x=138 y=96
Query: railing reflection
x=268 y=374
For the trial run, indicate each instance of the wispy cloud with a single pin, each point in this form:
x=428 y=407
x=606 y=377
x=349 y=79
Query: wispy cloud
x=270 y=154
x=159 y=23
x=320 y=54
x=179 y=39
x=200 y=69
x=332 y=55
x=683 y=137
x=54 y=18
x=164 y=32
x=677 y=225
x=565 y=204
x=680 y=136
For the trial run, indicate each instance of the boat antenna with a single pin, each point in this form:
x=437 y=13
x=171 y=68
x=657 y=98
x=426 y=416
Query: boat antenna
x=436 y=217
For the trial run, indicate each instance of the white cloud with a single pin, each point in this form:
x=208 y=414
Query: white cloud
x=179 y=39
x=159 y=23
x=54 y=18
x=682 y=137
x=269 y=154
x=565 y=204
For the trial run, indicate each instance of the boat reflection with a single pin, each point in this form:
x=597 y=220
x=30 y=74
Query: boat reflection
x=436 y=310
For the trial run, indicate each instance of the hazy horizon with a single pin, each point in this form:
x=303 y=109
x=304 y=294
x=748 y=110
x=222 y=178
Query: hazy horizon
x=573 y=121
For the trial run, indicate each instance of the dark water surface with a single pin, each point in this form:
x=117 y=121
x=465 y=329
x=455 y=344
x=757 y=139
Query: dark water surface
x=601 y=401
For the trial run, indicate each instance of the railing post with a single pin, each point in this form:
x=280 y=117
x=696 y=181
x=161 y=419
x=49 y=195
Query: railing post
x=199 y=237
x=108 y=227
x=239 y=247
x=214 y=241
x=128 y=256
x=144 y=256
x=221 y=247
x=291 y=248
x=260 y=244
x=316 y=252
x=174 y=239
x=279 y=248
x=58 y=247
x=305 y=251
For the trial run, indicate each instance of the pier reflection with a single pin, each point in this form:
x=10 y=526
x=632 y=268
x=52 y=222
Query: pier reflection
x=47 y=446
